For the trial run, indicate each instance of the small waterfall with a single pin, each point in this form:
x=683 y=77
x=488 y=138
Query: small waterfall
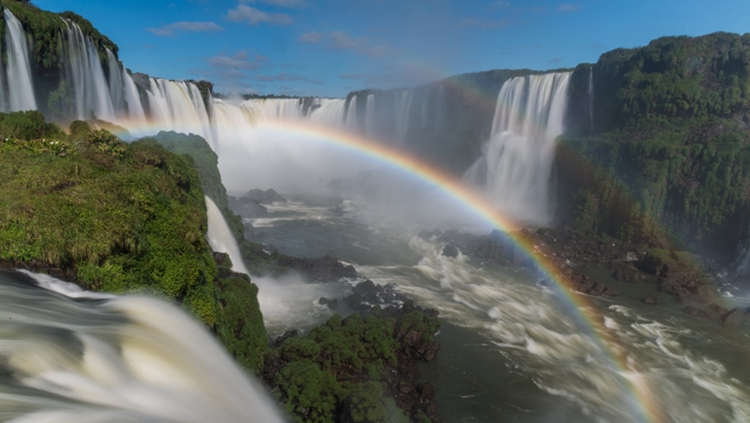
x=72 y=356
x=86 y=76
x=370 y=116
x=331 y=112
x=132 y=98
x=591 y=99
x=351 y=114
x=221 y=239
x=20 y=85
x=178 y=106
x=275 y=109
x=116 y=85
x=515 y=168
x=403 y=111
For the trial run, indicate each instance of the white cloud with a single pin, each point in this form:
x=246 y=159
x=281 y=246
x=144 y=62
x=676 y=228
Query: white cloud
x=253 y=16
x=171 y=30
x=238 y=61
x=486 y=23
x=290 y=4
x=339 y=40
x=311 y=37
x=567 y=8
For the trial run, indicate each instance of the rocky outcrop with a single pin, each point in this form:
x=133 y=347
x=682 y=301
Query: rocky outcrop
x=358 y=369
x=268 y=196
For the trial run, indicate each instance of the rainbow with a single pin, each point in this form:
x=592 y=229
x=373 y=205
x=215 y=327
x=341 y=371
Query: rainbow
x=648 y=409
x=643 y=399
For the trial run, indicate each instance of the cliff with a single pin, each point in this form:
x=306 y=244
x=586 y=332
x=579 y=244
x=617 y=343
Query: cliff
x=661 y=143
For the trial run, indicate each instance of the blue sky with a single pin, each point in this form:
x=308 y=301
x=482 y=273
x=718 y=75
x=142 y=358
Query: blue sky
x=330 y=47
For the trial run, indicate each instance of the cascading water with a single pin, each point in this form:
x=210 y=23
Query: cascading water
x=330 y=112
x=515 y=168
x=275 y=109
x=20 y=86
x=86 y=76
x=221 y=239
x=351 y=114
x=403 y=109
x=73 y=356
x=591 y=99
x=370 y=115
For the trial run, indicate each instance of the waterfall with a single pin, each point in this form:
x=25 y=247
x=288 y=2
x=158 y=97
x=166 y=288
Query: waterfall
x=275 y=109
x=591 y=99
x=351 y=114
x=370 y=116
x=116 y=85
x=515 y=168
x=403 y=110
x=86 y=76
x=331 y=112
x=221 y=239
x=73 y=356
x=20 y=86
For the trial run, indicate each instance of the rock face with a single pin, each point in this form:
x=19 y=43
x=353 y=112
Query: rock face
x=367 y=295
x=736 y=317
x=246 y=207
x=268 y=196
x=326 y=268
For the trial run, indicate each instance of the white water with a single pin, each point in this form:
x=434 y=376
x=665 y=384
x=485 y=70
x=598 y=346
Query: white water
x=20 y=88
x=370 y=116
x=69 y=356
x=515 y=169
x=221 y=239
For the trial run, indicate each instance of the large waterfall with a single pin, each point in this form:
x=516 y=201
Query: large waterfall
x=221 y=239
x=20 y=93
x=515 y=169
x=73 y=356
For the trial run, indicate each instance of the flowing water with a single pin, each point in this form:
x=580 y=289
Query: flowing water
x=74 y=356
x=512 y=349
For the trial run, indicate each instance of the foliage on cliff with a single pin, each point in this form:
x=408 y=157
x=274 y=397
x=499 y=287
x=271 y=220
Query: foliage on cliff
x=123 y=217
x=344 y=371
x=669 y=148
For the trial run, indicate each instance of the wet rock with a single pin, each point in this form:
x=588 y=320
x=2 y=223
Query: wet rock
x=450 y=251
x=326 y=268
x=736 y=317
x=365 y=295
x=649 y=300
x=426 y=235
x=332 y=304
x=608 y=290
x=263 y=197
x=717 y=308
x=696 y=312
x=288 y=334
x=247 y=207
x=626 y=272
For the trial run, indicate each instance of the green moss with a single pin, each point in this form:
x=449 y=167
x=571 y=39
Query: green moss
x=351 y=358
x=123 y=220
x=240 y=326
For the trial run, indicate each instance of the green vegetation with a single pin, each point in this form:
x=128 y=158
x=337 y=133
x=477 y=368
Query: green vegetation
x=125 y=217
x=344 y=366
x=669 y=148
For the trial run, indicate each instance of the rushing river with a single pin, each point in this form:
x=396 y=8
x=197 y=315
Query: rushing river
x=69 y=356
x=513 y=348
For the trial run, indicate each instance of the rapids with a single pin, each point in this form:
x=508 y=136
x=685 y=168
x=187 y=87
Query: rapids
x=72 y=356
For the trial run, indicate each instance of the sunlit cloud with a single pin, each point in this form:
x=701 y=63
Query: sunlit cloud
x=240 y=60
x=253 y=16
x=341 y=41
x=290 y=4
x=486 y=23
x=286 y=77
x=171 y=30
x=568 y=8
x=499 y=5
x=311 y=37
